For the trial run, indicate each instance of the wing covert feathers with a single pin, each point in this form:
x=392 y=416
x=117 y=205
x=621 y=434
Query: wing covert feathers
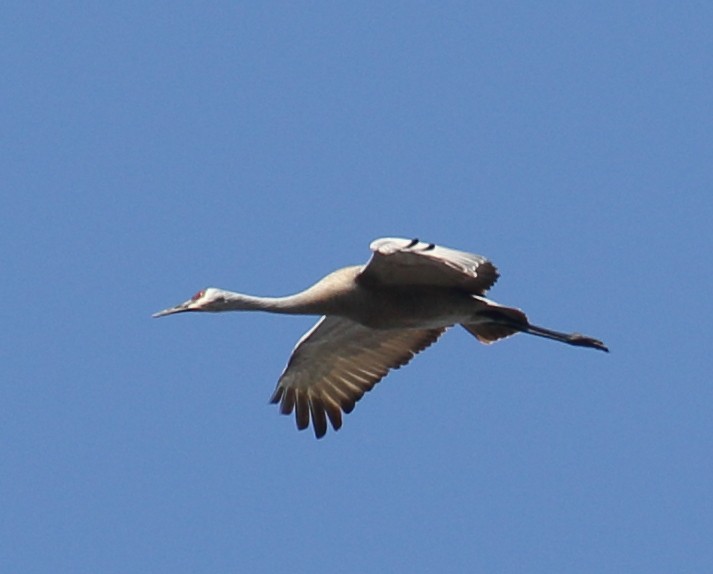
x=412 y=262
x=336 y=362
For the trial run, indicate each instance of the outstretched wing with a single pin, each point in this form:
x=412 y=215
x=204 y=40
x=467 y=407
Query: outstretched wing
x=412 y=262
x=336 y=362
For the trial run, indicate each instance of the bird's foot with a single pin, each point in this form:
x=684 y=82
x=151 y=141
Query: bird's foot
x=580 y=340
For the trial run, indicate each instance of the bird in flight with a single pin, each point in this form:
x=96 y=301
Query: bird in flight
x=377 y=317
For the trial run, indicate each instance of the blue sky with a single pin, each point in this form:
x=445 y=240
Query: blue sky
x=149 y=151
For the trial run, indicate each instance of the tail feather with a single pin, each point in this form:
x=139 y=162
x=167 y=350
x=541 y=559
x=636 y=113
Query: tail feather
x=488 y=333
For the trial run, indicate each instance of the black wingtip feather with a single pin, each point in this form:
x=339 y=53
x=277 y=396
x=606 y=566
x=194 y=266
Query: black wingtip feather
x=288 y=402
x=277 y=395
x=319 y=419
x=301 y=411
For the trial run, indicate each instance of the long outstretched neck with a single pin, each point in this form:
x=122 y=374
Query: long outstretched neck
x=299 y=304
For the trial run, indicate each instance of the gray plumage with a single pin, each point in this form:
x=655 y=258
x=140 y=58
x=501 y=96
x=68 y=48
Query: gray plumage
x=377 y=317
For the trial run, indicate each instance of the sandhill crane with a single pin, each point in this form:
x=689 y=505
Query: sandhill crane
x=377 y=317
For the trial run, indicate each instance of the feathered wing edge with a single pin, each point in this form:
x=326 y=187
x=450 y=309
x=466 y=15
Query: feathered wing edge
x=336 y=363
x=402 y=262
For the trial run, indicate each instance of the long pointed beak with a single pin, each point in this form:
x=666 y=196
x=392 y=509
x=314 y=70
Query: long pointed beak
x=182 y=308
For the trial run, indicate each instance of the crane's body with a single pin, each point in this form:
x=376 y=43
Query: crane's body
x=376 y=317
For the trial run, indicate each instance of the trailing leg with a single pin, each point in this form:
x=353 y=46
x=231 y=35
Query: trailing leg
x=497 y=322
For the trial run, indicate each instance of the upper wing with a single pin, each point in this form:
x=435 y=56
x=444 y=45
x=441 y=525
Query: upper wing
x=412 y=262
x=336 y=362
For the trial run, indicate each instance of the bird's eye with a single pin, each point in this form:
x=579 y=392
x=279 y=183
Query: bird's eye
x=198 y=295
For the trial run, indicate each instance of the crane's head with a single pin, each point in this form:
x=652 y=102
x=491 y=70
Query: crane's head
x=209 y=299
